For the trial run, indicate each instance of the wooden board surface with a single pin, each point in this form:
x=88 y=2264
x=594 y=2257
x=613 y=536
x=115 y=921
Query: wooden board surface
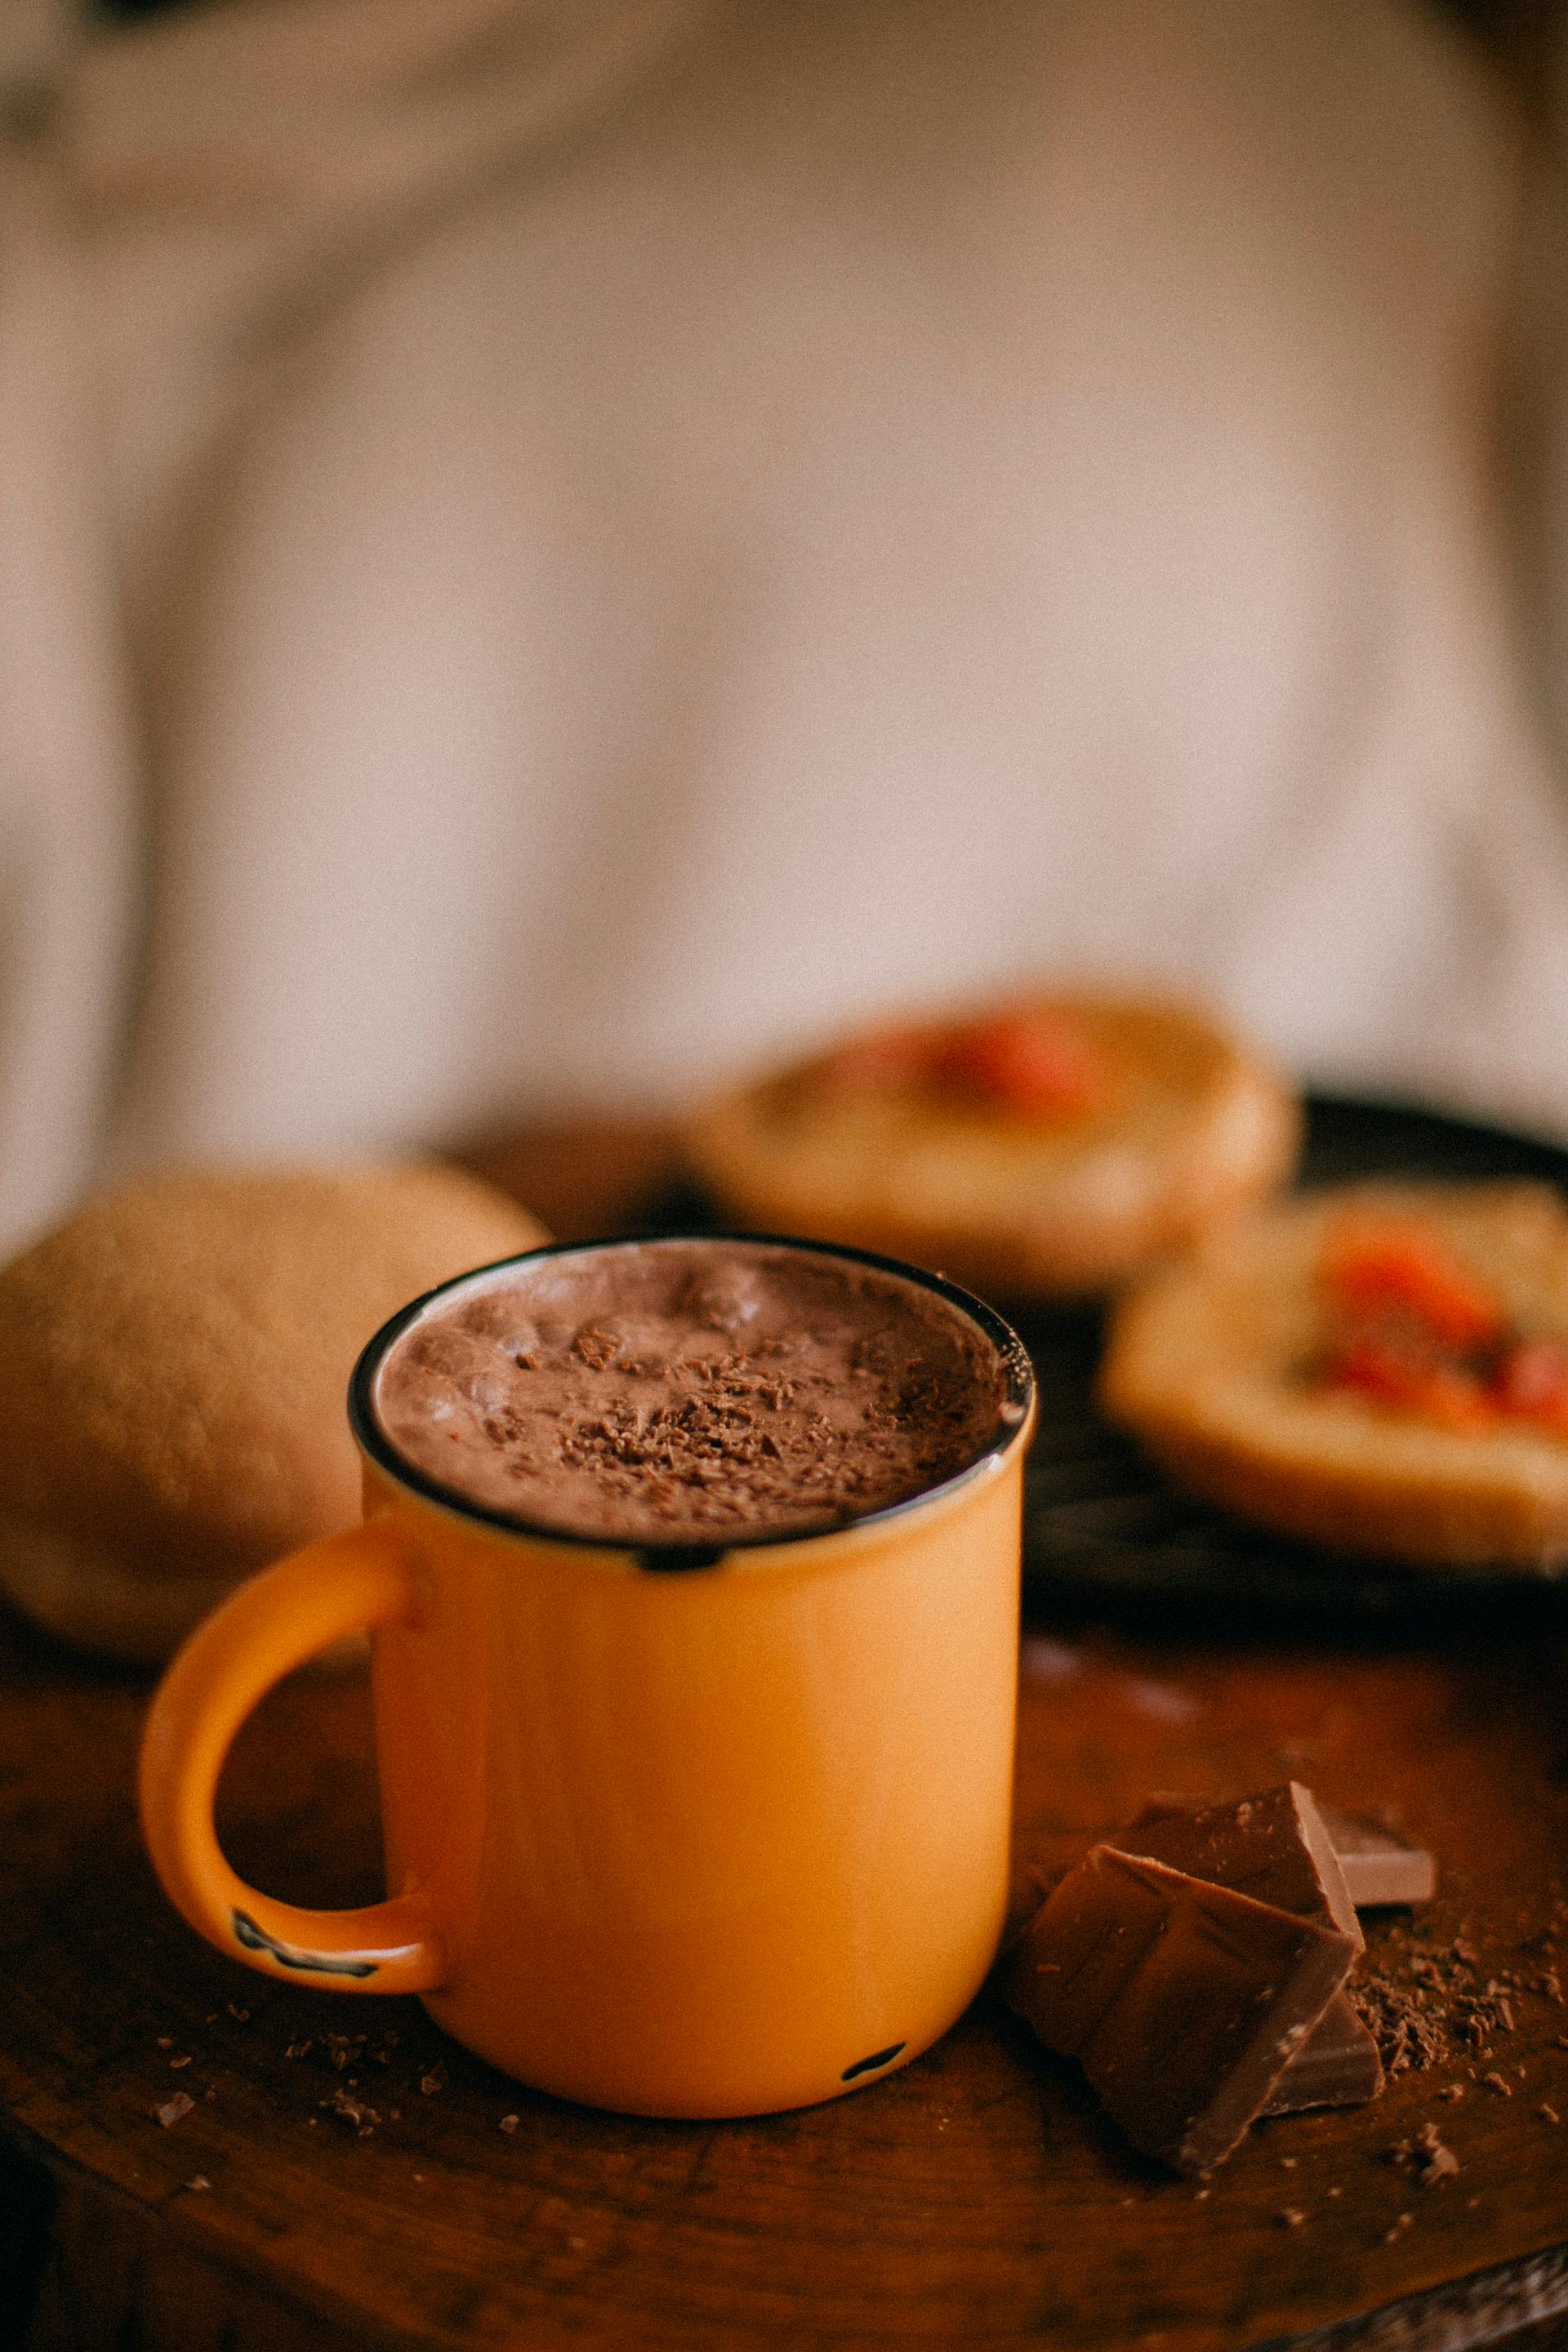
x=327 y=2191
x=976 y=2197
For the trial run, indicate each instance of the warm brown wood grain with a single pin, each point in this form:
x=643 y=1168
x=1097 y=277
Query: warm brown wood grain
x=977 y=2198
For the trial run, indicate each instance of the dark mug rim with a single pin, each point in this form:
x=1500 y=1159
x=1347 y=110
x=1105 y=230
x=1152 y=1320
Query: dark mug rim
x=1014 y=1418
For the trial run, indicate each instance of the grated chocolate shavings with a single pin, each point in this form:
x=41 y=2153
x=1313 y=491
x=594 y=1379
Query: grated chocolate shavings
x=1407 y=2035
x=362 y=2119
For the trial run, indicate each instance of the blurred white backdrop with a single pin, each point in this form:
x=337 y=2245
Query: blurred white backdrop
x=557 y=549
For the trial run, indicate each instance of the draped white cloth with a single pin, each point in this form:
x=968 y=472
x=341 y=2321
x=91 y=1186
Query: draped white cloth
x=555 y=548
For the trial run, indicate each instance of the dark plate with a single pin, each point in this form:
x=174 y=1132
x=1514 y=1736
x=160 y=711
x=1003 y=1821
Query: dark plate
x=1105 y=1534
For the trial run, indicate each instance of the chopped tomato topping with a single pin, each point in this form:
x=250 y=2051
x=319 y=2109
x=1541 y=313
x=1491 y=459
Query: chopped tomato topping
x=1039 y=1062
x=1436 y=1389
x=1531 y=1382
x=1406 y=1272
x=1418 y=1331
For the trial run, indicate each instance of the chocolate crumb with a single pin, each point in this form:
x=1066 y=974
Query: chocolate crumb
x=166 y=2042
x=174 y=2110
x=175 y=2063
x=436 y=2080
x=1292 y=2217
x=1441 y=2166
x=1406 y=2035
x=362 y=2120
x=1498 y=2083
x=198 y=2180
x=509 y=2123
x=1548 y=2113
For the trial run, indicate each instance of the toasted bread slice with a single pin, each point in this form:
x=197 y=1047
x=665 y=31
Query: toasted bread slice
x=1186 y=1128
x=1215 y=1364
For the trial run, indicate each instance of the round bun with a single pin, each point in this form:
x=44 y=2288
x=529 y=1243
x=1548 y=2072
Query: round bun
x=1215 y=1365
x=1183 y=1127
x=173 y=1368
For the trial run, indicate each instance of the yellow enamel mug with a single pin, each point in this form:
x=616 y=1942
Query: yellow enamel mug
x=673 y=1832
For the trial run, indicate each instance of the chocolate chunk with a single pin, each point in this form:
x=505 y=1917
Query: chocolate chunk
x=1378 y=1866
x=1183 y=2002
x=1337 y=2066
x=1274 y=1847
x=1277 y=1848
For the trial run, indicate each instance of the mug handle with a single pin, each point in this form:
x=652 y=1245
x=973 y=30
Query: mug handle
x=345 y=1584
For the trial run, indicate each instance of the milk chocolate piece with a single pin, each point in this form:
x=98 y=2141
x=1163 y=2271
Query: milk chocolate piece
x=1183 y=2002
x=1337 y=2066
x=1378 y=1866
x=1278 y=1848
x=1274 y=1847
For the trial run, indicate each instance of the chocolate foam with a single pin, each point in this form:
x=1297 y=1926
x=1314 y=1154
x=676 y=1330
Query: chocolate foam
x=689 y=1391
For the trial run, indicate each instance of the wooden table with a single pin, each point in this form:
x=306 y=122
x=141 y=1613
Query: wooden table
x=343 y=2176
x=975 y=2199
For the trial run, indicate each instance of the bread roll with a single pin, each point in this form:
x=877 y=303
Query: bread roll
x=1186 y=1128
x=174 y=1366
x=1215 y=1364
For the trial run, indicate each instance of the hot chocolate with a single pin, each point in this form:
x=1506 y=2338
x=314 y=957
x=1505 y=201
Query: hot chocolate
x=691 y=1392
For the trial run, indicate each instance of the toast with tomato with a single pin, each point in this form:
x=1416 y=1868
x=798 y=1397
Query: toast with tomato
x=1381 y=1368
x=1049 y=1145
